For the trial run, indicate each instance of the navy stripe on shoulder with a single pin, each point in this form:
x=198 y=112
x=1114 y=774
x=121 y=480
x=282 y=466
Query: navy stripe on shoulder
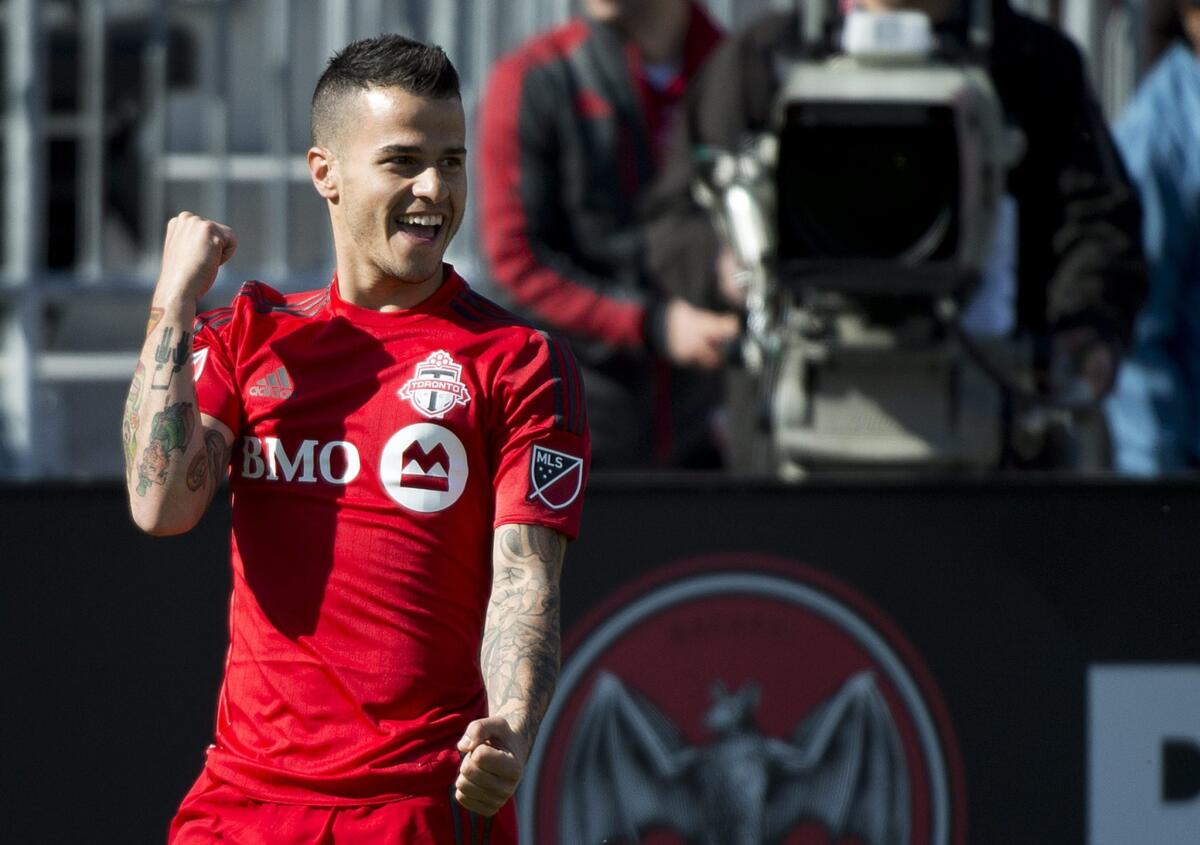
x=309 y=305
x=556 y=381
x=258 y=298
x=266 y=301
x=487 y=306
x=470 y=310
x=576 y=389
x=479 y=309
x=306 y=313
x=570 y=414
x=213 y=319
x=463 y=311
x=217 y=323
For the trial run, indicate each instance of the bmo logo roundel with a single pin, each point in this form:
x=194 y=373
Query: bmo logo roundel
x=424 y=467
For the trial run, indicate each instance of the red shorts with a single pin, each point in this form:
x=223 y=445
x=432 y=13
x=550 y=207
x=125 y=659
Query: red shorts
x=217 y=812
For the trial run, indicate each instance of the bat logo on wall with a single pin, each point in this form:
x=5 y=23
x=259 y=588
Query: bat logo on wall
x=628 y=771
x=832 y=729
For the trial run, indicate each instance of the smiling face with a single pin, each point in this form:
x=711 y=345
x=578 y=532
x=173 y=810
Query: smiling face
x=395 y=178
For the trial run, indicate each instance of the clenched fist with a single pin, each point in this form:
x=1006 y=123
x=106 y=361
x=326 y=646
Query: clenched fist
x=192 y=252
x=492 y=765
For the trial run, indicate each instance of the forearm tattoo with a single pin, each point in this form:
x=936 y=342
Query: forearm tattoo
x=132 y=418
x=164 y=354
x=521 y=640
x=170 y=432
x=156 y=315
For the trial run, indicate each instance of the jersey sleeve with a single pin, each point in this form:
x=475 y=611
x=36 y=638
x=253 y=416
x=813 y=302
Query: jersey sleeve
x=217 y=392
x=542 y=446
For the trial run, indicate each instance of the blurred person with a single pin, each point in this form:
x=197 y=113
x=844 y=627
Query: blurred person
x=1163 y=29
x=573 y=125
x=1077 y=275
x=1154 y=413
x=407 y=462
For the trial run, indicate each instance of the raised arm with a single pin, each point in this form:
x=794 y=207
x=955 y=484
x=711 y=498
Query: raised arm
x=520 y=660
x=175 y=456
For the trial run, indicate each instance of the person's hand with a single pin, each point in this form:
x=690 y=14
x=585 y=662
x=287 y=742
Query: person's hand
x=492 y=765
x=1092 y=359
x=697 y=337
x=730 y=287
x=193 y=250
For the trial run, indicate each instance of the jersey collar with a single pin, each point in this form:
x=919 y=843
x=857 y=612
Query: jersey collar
x=451 y=285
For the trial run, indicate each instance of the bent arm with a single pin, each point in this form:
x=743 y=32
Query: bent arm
x=175 y=457
x=521 y=639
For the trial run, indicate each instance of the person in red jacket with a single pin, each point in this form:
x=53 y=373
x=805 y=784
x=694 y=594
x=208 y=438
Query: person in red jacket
x=406 y=462
x=572 y=131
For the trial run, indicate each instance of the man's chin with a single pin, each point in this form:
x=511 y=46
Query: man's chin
x=415 y=273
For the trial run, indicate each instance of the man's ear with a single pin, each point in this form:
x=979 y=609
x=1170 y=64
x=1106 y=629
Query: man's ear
x=321 y=169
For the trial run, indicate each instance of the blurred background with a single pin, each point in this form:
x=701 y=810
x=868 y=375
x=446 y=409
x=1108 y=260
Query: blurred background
x=119 y=113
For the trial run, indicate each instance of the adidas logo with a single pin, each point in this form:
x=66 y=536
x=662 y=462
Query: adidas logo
x=277 y=385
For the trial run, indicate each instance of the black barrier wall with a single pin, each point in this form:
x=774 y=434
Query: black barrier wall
x=996 y=599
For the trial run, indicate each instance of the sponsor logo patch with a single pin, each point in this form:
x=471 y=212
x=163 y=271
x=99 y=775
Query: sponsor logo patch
x=554 y=477
x=424 y=467
x=276 y=385
x=425 y=470
x=436 y=386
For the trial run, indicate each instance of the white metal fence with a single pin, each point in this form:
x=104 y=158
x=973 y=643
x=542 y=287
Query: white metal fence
x=117 y=113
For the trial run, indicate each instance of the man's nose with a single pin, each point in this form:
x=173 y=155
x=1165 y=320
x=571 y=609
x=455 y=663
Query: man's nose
x=430 y=185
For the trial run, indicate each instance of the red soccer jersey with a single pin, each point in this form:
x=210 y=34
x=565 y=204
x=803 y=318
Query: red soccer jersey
x=374 y=454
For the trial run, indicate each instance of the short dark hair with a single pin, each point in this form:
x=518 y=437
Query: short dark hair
x=386 y=61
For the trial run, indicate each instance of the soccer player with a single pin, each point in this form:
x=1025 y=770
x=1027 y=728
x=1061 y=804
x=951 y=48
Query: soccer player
x=406 y=462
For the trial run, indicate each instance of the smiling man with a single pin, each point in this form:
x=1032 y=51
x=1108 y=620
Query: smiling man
x=407 y=463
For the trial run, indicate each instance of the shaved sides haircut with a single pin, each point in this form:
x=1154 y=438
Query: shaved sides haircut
x=387 y=61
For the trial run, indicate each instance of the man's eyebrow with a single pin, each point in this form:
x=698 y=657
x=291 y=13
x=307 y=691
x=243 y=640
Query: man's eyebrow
x=409 y=149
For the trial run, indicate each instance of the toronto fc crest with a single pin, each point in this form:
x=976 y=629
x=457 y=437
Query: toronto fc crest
x=436 y=386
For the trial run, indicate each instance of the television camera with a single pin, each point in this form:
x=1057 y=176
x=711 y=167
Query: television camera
x=863 y=224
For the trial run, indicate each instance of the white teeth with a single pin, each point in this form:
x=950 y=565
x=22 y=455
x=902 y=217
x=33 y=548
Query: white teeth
x=422 y=219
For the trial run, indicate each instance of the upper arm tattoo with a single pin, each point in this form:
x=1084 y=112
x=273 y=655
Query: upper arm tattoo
x=520 y=656
x=217 y=453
